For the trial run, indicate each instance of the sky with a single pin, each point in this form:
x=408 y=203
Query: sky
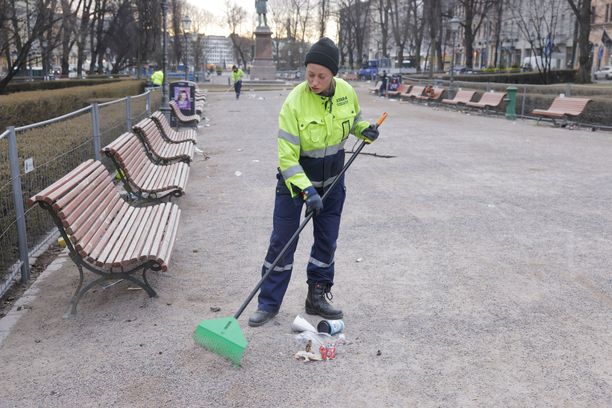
x=217 y=7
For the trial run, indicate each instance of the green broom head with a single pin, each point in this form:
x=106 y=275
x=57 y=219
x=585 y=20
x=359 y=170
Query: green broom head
x=222 y=336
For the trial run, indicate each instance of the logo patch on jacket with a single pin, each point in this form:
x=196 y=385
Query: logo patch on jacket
x=342 y=101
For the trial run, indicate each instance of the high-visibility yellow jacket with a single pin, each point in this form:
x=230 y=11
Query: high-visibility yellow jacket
x=237 y=75
x=157 y=78
x=312 y=133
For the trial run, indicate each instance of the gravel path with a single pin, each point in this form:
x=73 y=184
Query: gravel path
x=483 y=281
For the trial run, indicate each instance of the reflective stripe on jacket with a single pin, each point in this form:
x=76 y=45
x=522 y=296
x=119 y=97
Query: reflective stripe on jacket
x=312 y=133
x=237 y=76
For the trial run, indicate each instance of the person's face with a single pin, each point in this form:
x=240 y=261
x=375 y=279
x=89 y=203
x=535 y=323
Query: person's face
x=319 y=77
x=183 y=96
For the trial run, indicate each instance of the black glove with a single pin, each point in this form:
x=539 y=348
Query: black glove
x=313 y=200
x=370 y=133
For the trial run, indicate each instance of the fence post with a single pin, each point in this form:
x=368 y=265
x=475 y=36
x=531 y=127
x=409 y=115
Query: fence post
x=128 y=113
x=523 y=103
x=568 y=89
x=95 y=127
x=148 y=103
x=19 y=209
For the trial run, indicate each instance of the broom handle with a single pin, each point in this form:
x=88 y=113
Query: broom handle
x=296 y=234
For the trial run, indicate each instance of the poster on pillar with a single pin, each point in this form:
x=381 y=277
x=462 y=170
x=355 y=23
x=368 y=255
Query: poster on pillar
x=183 y=93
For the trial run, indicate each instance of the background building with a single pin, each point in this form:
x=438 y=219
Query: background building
x=218 y=51
x=601 y=23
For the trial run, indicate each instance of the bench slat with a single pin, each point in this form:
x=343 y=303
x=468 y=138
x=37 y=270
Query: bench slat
x=136 y=250
x=90 y=238
x=118 y=239
x=153 y=236
x=140 y=228
x=60 y=186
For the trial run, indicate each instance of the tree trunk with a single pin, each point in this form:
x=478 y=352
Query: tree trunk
x=585 y=58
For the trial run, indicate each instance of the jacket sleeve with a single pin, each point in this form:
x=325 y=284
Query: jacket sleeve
x=358 y=124
x=289 y=152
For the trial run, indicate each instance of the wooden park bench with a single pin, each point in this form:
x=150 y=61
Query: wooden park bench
x=401 y=89
x=141 y=177
x=434 y=96
x=462 y=97
x=200 y=96
x=159 y=150
x=563 y=108
x=488 y=100
x=171 y=135
x=415 y=91
x=199 y=107
x=184 y=120
x=104 y=233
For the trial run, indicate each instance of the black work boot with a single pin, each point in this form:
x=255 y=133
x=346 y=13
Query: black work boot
x=261 y=317
x=316 y=302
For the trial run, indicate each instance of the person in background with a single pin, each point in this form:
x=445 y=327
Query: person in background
x=314 y=124
x=237 y=75
x=157 y=77
x=383 y=86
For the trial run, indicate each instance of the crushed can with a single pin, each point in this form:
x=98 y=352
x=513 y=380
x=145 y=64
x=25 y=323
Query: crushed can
x=331 y=351
x=330 y=326
x=323 y=351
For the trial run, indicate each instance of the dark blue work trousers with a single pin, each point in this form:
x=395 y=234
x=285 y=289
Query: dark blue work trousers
x=287 y=214
x=237 y=88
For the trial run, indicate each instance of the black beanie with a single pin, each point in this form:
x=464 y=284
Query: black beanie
x=323 y=52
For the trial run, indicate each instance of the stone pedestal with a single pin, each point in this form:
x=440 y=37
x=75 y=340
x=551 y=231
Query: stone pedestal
x=263 y=66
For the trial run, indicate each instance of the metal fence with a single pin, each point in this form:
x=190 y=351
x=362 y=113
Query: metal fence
x=34 y=156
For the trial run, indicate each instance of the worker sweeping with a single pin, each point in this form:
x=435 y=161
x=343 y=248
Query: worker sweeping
x=314 y=123
x=237 y=75
x=157 y=78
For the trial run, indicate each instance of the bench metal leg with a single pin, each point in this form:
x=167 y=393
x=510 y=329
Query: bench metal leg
x=105 y=276
x=79 y=294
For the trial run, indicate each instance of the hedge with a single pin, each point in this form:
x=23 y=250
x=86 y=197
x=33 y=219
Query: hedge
x=59 y=84
x=25 y=108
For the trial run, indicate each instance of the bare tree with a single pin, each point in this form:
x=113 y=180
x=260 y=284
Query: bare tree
x=498 y=8
x=433 y=13
x=176 y=18
x=383 y=9
x=235 y=17
x=81 y=36
x=474 y=13
x=122 y=26
x=96 y=34
x=148 y=26
x=403 y=16
x=582 y=10
x=323 y=16
x=417 y=26
x=13 y=38
x=537 y=22
x=355 y=16
x=68 y=29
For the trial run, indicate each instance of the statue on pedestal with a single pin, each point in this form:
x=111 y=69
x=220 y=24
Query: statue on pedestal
x=260 y=6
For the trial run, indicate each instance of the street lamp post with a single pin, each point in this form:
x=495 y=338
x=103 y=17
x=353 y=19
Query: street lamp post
x=186 y=30
x=454 y=27
x=165 y=108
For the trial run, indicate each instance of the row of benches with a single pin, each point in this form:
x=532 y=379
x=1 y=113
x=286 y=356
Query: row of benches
x=113 y=237
x=562 y=107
